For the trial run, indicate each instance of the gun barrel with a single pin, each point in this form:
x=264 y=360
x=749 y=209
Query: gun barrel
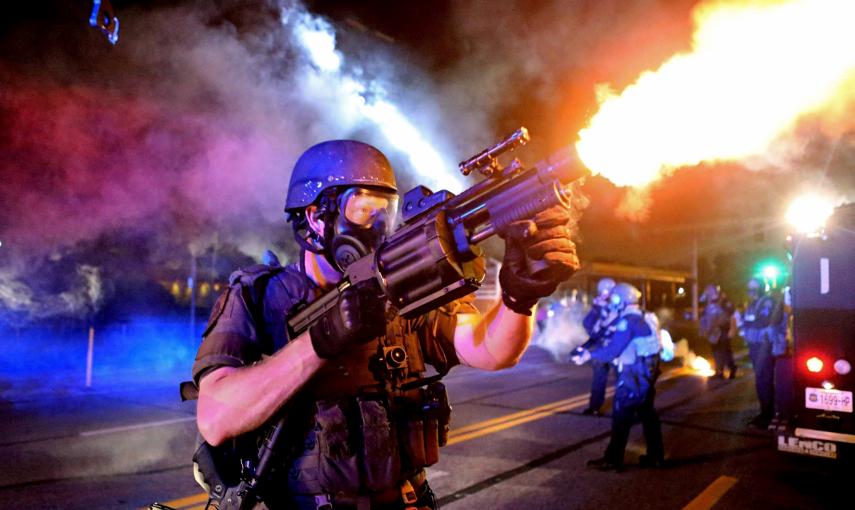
x=564 y=165
x=543 y=186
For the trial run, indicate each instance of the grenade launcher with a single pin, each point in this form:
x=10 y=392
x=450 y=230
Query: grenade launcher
x=433 y=258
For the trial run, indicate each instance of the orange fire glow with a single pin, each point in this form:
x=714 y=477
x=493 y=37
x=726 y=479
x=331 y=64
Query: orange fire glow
x=755 y=69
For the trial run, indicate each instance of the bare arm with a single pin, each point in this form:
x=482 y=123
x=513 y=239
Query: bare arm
x=493 y=341
x=233 y=401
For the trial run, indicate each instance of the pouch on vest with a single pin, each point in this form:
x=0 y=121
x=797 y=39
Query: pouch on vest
x=338 y=464
x=413 y=441
x=380 y=460
x=431 y=434
x=427 y=426
x=436 y=404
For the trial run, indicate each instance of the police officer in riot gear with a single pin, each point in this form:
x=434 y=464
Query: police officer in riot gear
x=715 y=324
x=762 y=323
x=363 y=421
x=596 y=323
x=634 y=348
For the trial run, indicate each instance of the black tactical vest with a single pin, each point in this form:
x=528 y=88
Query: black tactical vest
x=368 y=419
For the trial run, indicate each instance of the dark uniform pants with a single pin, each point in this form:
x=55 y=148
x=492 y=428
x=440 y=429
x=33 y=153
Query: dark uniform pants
x=636 y=391
x=764 y=375
x=723 y=355
x=598 y=383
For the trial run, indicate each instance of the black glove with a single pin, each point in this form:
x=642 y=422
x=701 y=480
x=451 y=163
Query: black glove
x=359 y=317
x=546 y=237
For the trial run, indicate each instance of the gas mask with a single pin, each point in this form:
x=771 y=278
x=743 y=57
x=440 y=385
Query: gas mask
x=365 y=217
x=616 y=304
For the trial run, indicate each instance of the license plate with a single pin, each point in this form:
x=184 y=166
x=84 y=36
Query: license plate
x=828 y=400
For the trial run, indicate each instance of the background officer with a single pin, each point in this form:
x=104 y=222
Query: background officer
x=715 y=327
x=362 y=420
x=762 y=325
x=596 y=324
x=634 y=347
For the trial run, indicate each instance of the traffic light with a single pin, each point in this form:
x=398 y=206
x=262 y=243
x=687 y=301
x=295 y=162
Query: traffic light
x=771 y=272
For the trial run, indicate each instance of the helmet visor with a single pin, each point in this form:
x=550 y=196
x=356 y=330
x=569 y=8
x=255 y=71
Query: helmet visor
x=367 y=208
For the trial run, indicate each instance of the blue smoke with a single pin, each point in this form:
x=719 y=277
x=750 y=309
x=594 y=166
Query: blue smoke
x=144 y=349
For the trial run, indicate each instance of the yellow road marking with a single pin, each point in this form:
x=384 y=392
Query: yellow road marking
x=513 y=423
x=485 y=427
x=711 y=494
x=189 y=500
x=513 y=416
x=471 y=431
x=512 y=420
x=482 y=428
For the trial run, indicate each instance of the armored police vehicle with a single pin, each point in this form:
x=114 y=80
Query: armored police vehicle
x=820 y=420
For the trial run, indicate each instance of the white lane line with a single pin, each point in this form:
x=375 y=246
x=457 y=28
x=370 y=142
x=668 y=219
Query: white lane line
x=136 y=426
x=435 y=473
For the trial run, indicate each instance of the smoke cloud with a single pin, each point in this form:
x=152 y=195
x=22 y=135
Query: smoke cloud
x=185 y=132
x=190 y=117
x=559 y=325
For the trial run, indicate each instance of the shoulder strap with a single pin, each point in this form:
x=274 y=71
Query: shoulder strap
x=253 y=282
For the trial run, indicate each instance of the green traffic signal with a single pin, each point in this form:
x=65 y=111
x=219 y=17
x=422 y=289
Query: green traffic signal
x=771 y=272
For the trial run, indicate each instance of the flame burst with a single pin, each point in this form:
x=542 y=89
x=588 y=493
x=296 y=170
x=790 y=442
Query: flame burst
x=755 y=68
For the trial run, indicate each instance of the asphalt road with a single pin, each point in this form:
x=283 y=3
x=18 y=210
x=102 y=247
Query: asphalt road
x=518 y=440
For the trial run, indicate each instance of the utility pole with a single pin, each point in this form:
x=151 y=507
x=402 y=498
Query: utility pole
x=191 y=284
x=695 y=314
x=89 y=355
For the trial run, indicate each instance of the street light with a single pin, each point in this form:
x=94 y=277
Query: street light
x=808 y=213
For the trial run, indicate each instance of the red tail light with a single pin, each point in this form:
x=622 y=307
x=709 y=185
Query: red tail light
x=814 y=365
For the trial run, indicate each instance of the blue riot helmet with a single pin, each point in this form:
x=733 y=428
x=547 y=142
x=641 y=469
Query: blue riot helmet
x=605 y=286
x=353 y=186
x=337 y=163
x=711 y=294
x=623 y=295
x=755 y=288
